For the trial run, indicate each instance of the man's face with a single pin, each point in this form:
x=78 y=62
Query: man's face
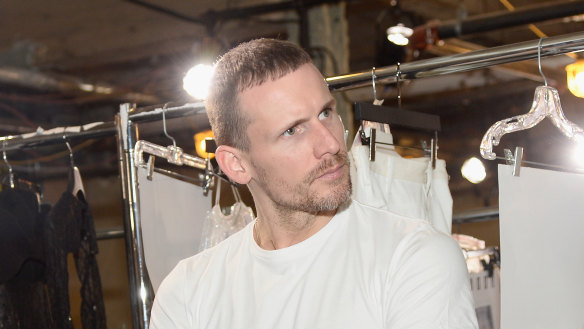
x=297 y=151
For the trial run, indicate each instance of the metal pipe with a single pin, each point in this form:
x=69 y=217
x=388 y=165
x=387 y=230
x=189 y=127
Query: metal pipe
x=209 y=18
x=141 y=292
x=97 y=130
x=462 y=62
x=112 y=233
x=155 y=113
x=476 y=215
x=69 y=84
x=499 y=20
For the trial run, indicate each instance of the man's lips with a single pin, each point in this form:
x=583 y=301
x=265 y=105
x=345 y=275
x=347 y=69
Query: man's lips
x=333 y=172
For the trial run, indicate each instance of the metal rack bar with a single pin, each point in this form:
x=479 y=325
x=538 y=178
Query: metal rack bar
x=476 y=215
x=112 y=233
x=462 y=62
x=98 y=130
x=155 y=113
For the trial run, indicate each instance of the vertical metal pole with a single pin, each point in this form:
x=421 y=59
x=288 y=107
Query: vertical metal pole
x=141 y=293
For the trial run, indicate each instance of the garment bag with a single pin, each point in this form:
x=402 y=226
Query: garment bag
x=542 y=249
x=172 y=213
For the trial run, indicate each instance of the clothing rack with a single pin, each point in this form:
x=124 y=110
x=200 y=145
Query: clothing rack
x=131 y=231
x=473 y=60
x=123 y=128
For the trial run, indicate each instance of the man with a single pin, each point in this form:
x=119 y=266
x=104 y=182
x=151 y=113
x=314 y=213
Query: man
x=313 y=258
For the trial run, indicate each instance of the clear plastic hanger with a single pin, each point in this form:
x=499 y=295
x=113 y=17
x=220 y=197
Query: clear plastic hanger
x=546 y=103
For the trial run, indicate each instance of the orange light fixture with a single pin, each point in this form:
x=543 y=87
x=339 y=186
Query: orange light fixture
x=576 y=78
x=200 y=144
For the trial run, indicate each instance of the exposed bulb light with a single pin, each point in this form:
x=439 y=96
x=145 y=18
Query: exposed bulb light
x=474 y=170
x=575 y=73
x=196 y=81
x=399 y=34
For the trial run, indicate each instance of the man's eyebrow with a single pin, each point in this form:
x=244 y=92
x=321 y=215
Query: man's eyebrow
x=293 y=123
x=332 y=102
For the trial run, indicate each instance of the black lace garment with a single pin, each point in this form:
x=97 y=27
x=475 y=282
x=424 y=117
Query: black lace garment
x=34 y=245
x=72 y=231
x=24 y=301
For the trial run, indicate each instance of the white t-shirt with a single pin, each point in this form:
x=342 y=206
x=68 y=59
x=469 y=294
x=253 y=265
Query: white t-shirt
x=367 y=268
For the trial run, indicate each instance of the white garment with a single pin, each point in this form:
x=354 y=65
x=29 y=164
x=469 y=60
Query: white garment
x=171 y=215
x=367 y=268
x=542 y=248
x=408 y=187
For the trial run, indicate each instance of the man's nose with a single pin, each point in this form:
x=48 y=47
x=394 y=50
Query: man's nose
x=325 y=141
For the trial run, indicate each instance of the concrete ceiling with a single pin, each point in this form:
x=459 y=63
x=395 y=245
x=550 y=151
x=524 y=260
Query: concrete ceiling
x=142 y=53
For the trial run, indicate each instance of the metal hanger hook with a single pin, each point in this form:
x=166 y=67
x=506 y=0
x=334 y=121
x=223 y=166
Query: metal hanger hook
x=164 y=125
x=539 y=60
x=70 y=150
x=373 y=78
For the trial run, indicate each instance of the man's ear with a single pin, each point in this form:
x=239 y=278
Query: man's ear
x=231 y=162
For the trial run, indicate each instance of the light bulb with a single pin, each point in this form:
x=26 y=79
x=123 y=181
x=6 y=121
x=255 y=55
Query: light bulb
x=575 y=73
x=399 y=34
x=473 y=170
x=196 y=81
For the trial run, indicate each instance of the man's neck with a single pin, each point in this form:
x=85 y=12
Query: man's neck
x=277 y=229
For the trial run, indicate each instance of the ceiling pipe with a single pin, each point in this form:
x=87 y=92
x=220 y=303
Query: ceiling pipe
x=210 y=17
x=432 y=32
x=68 y=84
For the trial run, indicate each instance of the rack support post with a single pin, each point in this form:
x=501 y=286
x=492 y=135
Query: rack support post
x=141 y=292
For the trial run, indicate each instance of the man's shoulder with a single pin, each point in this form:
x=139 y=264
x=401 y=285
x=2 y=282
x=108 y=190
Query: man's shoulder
x=381 y=217
x=385 y=230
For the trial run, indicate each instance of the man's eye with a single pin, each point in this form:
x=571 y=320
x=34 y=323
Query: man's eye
x=324 y=114
x=290 y=131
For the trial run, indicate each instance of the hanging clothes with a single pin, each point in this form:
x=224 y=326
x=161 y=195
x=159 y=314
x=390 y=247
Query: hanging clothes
x=34 y=244
x=408 y=187
x=24 y=303
x=71 y=230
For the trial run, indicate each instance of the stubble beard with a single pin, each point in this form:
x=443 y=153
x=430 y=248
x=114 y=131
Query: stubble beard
x=300 y=198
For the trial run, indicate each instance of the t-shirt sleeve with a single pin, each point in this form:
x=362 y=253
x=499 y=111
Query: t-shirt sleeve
x=169 y=309
x=428 y=285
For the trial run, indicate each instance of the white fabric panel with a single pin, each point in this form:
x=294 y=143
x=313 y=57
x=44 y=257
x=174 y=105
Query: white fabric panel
x=542 y=249
x=172 y=214
x=408 y=187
